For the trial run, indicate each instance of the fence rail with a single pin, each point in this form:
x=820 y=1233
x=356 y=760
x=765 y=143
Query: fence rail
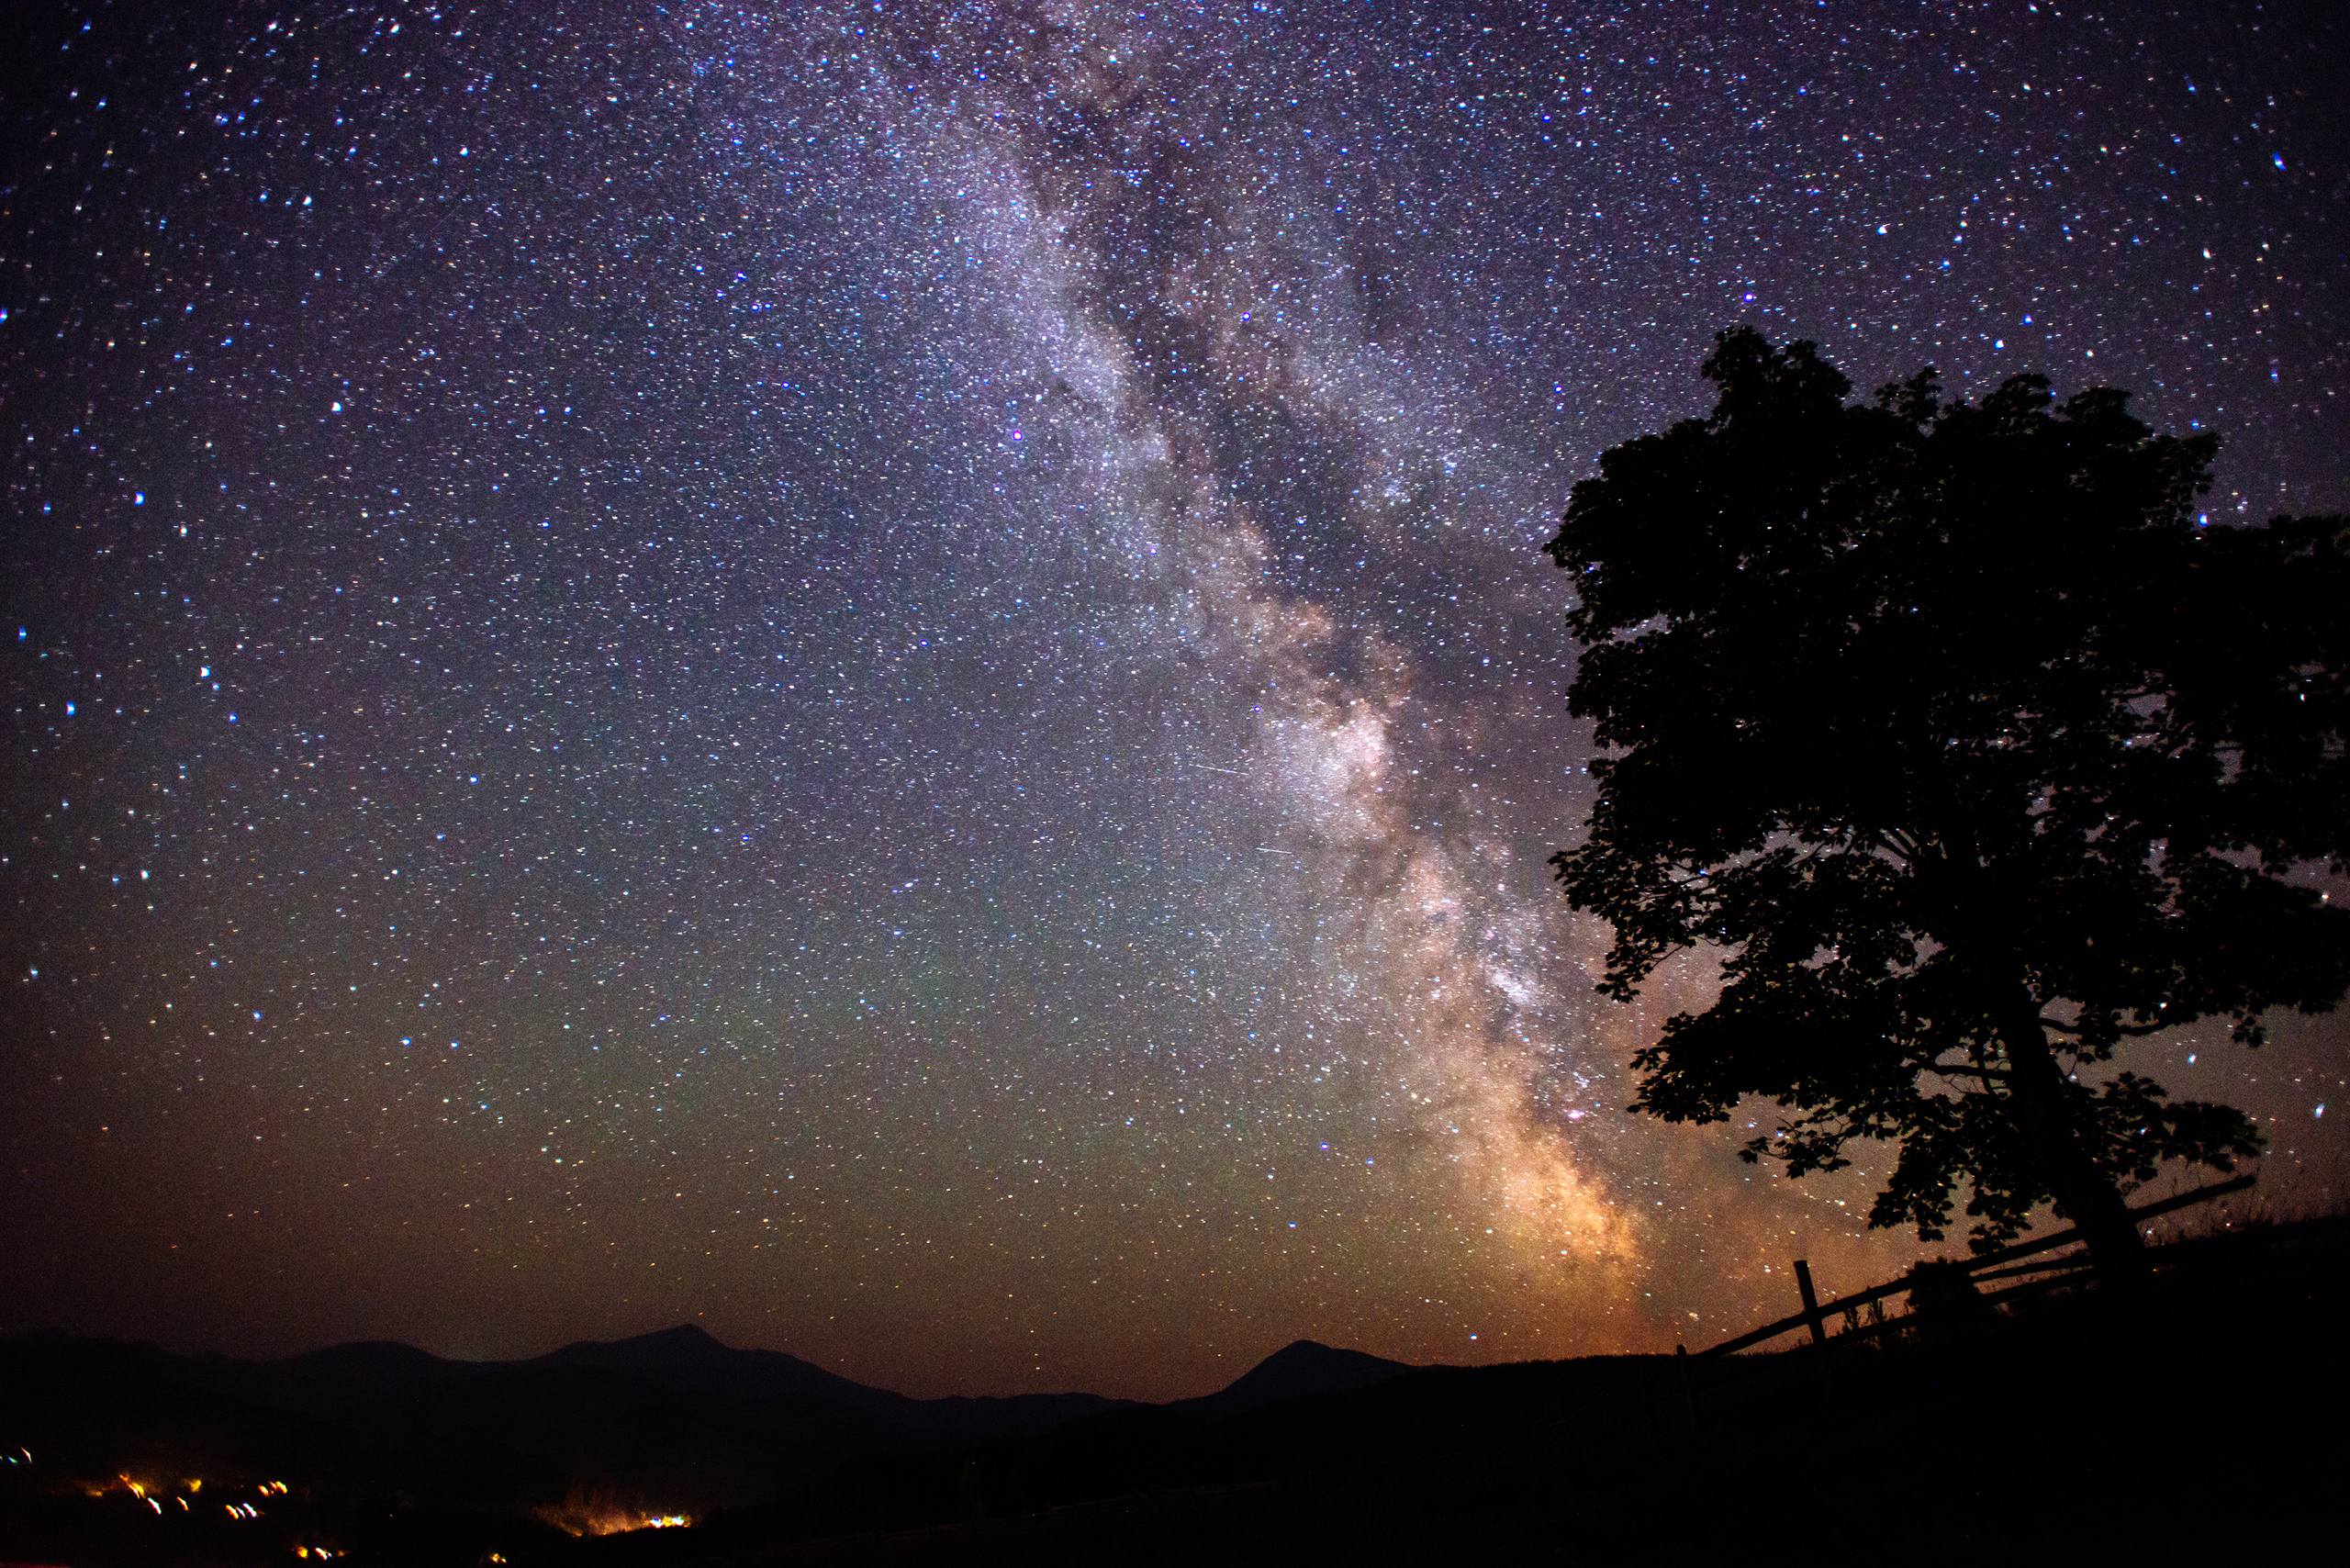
x=1978 y=1270
x=2025 y=1263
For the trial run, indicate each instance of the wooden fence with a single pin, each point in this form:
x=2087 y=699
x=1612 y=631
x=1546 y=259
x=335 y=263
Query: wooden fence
x=2044 y=1274
x=2026 y=1267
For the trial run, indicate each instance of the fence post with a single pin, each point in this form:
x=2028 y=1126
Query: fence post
x=1810 y=1303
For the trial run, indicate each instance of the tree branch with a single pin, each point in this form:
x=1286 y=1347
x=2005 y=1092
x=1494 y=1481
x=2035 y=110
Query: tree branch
x=2127 y=1031
x=1978 y=1069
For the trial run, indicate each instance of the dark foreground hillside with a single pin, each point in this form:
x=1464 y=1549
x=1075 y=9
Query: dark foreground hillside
x=2207 y=1423
x=2210 y=1424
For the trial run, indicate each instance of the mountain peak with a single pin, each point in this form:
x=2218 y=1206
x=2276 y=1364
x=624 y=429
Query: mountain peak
x=1302 y=1368
x=680 y=1336
x=681 y=1346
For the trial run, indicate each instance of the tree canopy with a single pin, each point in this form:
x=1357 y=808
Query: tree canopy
x=1976 y=753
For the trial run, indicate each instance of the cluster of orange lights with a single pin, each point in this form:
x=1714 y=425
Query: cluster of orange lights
x=155 y=1494
x=153 y=1497
x=578 y=1515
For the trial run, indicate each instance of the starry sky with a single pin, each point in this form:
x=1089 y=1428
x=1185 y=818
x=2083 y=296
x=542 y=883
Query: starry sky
x=877 y=674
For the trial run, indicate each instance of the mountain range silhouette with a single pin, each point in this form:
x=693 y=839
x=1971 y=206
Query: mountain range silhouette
x=674 y=1415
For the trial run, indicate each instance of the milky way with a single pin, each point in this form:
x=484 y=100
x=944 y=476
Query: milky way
x=879 y=673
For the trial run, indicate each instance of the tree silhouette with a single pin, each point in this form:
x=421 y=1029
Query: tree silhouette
x=1975 y=756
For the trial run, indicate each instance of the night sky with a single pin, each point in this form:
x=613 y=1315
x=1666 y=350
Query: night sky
x=878 y=675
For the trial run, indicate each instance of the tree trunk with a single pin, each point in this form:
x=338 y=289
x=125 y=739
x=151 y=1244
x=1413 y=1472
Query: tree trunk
x=2085 y=1195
